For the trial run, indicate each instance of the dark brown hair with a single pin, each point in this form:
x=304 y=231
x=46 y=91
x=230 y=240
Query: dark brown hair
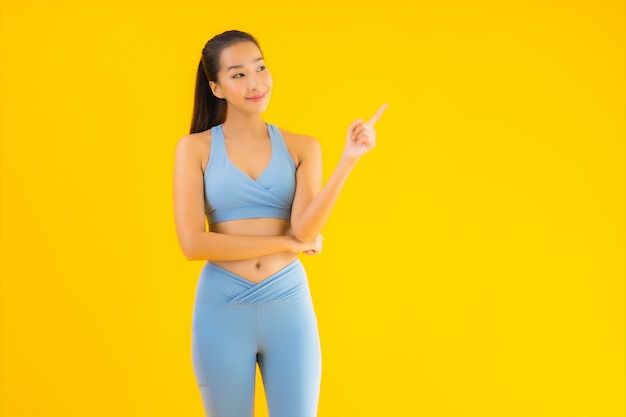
x=208 y=110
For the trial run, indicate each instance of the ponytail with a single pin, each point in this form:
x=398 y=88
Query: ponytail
x=208 y=110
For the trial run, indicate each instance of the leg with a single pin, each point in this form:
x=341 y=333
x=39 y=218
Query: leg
x=224 y=358
x=290 y=358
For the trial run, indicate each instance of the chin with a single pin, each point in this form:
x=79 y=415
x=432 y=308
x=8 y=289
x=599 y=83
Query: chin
x=261 y=107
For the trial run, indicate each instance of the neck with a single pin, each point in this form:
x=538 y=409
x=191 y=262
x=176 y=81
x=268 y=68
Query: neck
x=244 y=126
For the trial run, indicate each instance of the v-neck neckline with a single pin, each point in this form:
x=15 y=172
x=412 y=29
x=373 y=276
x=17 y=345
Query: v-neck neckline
x=269 y=133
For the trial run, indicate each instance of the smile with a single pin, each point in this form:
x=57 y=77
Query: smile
x=257 y=98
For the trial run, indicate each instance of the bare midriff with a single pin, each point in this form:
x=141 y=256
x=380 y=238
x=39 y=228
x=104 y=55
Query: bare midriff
x=258 y=268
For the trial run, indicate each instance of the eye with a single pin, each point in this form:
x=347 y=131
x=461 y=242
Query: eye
x=261 y=68
x=239 y=75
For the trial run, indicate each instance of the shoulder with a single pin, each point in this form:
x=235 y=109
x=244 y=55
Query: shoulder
x=194 y=142
x=194 y=149
x=301 y=147
x=300 y=142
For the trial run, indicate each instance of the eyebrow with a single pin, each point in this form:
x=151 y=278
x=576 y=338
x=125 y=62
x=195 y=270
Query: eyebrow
x=241 y=66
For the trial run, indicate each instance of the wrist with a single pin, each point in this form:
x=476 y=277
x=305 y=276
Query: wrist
x=290 y=244
x=347 y=161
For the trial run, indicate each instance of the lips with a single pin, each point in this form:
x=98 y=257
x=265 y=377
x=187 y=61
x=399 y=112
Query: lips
x=257 y=98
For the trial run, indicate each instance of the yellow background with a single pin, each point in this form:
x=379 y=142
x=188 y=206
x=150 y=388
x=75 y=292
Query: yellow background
x=474 y=264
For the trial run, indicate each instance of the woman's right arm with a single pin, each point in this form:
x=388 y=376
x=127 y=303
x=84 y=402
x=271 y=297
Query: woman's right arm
x=193 y=238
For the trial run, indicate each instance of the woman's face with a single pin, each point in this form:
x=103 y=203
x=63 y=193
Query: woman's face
x=243 y=80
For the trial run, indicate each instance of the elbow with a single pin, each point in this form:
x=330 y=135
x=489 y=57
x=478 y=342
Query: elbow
x=189 y=255
x=189 y=251
x=296 y=231
x=303 y=235
x=194 y=250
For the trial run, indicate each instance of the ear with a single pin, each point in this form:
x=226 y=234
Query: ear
x=215 y=89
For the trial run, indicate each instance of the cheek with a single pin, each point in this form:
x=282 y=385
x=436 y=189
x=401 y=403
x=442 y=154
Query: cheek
x=235 y=86
x=268 y=78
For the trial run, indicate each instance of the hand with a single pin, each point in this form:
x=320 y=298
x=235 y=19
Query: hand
x=309 y=248
x=361 y=136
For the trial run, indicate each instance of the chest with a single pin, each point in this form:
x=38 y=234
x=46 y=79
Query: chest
x=252 y=158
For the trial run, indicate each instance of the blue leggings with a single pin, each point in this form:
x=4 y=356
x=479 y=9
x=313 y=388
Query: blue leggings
x=237 y=324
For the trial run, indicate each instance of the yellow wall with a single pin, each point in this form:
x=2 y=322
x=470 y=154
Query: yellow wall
x=474 y=265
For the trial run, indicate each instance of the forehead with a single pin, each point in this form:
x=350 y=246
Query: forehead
x=240 y=53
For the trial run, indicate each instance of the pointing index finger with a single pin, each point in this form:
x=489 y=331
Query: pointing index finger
x=378 y=115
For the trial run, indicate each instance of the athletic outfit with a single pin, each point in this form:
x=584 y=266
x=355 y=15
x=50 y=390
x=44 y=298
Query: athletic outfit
x=237 y=323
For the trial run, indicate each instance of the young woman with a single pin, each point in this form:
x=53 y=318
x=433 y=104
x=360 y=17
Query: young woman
x=260 y=188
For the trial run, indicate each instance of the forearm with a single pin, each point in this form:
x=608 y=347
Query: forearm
x=224 y=247
x=312 y=220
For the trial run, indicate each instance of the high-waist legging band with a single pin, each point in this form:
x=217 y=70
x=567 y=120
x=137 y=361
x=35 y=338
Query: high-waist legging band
x=237 y=324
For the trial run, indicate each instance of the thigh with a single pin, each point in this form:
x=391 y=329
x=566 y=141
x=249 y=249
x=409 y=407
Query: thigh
x=224 y=358
x=290 y=358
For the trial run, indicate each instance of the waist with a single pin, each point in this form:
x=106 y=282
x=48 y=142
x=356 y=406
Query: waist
x=252 y=227
x=217 y=285
x=259 y=268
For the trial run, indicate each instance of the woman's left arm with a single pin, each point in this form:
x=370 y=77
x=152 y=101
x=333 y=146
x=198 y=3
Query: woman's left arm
x=313 y=203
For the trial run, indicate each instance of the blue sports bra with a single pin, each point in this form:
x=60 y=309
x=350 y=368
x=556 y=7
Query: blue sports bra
x=229 y=193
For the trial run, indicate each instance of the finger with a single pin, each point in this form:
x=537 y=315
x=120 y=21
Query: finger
x=366 y=135
x=358 y=131
x=365 y=130
x=368 y=131
x=377 y=115
x=354 y=125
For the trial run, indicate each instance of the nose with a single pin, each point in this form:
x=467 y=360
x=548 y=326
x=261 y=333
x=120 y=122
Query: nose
x=253 y=82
